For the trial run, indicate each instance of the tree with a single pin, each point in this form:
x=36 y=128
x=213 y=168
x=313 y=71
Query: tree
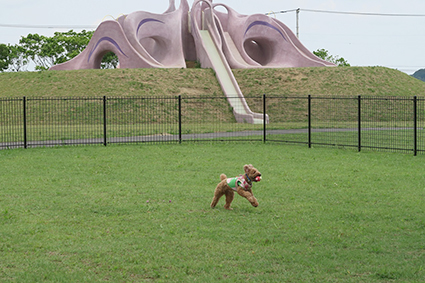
x=12 y=58
x=109 y=61
x=72 y=43
x=4 y=57
x=18 y=60
x=48 y=51
x=324 y=54
x=42 y=50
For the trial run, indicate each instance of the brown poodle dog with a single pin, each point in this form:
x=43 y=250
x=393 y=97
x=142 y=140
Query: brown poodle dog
x=241 y=184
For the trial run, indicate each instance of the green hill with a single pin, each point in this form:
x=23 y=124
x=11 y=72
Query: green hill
x=420 y=75
x=347 y=81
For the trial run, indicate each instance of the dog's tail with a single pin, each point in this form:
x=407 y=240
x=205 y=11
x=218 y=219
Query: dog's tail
x=223 y=177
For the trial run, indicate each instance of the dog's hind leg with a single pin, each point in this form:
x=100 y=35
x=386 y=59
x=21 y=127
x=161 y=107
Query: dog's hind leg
x=229 y=198
x=219 y=190
x=217 y=195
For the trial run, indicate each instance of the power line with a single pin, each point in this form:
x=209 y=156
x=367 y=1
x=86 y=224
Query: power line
x=47 y=26
x=339 y=12
x=282 y=12
x=347 y=13
x=270 y=13
x=365 y=14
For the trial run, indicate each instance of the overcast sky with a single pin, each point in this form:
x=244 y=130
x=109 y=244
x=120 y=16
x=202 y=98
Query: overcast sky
x=363 y=40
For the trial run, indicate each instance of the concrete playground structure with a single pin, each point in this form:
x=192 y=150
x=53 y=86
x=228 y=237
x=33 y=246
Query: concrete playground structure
x=218 y=40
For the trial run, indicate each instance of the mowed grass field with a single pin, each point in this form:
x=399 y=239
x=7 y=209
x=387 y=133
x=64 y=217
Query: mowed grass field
x=140 y=213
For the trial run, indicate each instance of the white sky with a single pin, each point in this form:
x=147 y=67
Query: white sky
x=395 y=42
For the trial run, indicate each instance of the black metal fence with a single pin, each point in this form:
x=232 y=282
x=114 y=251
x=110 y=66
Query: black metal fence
x=377 y=123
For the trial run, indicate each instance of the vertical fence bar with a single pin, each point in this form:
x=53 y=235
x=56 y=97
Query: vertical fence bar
x=264 y=119
x=359 y=124
x=24 y=102
x=309 y=121
x=415 y=126
x=104 y=121
x=180 y=119
x=420 y=124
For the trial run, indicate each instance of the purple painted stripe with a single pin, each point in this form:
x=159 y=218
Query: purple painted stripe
x=146 y=21
x=262 y=23
x=106 y=38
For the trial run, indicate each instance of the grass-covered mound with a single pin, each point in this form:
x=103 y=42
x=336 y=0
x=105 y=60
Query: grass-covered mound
x=348 y=81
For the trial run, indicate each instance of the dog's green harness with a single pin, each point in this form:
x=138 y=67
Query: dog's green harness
x=238 y=181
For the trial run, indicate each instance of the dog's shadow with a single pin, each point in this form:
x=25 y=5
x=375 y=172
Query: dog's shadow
x=240 y=210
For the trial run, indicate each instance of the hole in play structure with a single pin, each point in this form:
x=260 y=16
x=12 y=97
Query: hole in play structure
x=220 y=8
x=109 y=61
x=259 y=49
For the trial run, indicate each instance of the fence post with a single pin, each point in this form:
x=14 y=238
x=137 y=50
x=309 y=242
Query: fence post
x=359 y=123
x=264 y=118
x=104 y=121
x=415 y=126
x=24 y=105
x=180 y=119
x=309 y=121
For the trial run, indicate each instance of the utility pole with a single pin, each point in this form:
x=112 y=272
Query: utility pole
x=297 y=25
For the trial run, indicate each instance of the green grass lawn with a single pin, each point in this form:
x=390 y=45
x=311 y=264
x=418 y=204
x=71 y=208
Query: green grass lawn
x=140 y=213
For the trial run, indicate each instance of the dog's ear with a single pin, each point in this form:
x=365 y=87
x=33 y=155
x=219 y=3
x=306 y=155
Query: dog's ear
x=246 y=168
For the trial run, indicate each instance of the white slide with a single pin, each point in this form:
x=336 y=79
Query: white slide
x=228 y=82
x=208 y=43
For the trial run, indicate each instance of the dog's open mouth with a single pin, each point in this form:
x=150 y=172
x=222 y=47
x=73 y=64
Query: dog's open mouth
x=257 y=179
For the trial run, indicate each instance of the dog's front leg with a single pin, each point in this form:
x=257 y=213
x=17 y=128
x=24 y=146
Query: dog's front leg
x=248 y=195
x=229 y=198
